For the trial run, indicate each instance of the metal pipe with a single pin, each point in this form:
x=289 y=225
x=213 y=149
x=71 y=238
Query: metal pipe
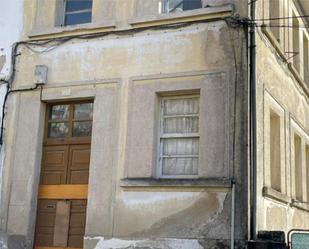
x=252 y=116
x=233 y=216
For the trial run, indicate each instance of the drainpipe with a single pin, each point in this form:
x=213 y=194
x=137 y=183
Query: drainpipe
x=233 y=215
x=252 y=119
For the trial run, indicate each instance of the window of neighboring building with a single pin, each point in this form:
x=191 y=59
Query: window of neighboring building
x=179 y=137
x=275 y=151
x=307 y=168
x=305 y=58
x=180 y=5
x=295 y=51
x=77 y=12
x=274 y=15
x=298 y=168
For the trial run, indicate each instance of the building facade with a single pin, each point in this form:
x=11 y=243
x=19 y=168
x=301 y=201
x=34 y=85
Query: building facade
x=10 y=32
x=132 y=124
x=282 y=115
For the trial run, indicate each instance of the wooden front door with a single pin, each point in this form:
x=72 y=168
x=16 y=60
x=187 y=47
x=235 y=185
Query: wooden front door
x=62 y=197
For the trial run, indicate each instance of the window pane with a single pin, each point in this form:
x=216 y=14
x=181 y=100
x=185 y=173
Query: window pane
x=180 y=5
x=83 y=111
x=181 y=106
x=175 y=5
x=77 y=18
x=180 y=146
x=59 y=112
x=181 y=125
x=75 y=5
x=192 y=4
x=82 y=129
x=179 y=166
x=57 y=130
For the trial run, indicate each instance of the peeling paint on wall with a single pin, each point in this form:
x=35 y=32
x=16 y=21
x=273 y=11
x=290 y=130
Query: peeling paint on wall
x=175 y=214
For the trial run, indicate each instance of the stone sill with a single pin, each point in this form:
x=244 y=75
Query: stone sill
x=209 y=13
x=175 y=183
x=300 y=205
x=276 y=195
x=81 y=29
x=279 y=50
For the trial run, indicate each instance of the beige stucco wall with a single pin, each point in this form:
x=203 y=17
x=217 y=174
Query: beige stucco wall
x=277 y=84
x=123 y=74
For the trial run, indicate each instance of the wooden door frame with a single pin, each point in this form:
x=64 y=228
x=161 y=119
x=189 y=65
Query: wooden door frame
x=63 y=191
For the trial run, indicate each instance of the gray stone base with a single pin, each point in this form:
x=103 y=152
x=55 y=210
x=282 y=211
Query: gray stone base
x=100 y=243
x=14 y=242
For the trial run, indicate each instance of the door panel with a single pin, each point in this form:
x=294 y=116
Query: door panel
x=62 y=221
x=78 y=169
x=45 y=222
x=77 y=222
x=54 y=165
x=64 y=175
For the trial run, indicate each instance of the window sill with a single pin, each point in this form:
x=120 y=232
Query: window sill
x=279 y=50
x=300 y=205
x=81 y=29
x=276 y=195
x=210 y=13
x=133 y=183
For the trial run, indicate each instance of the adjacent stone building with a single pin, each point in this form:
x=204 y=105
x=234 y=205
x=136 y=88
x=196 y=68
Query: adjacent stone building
x=132 y=124
x=282 y=115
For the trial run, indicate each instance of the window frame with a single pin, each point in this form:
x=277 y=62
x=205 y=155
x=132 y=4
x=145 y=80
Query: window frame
x=275 y=167
x=296 y=129
x=298 y=169
x=306 y=158
x=162 y=136
x=272 y=105
x=69 y=139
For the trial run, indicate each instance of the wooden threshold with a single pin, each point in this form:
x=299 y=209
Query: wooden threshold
x=63 y=191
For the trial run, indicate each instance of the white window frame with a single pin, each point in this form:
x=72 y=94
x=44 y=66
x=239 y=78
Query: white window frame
x=163 y=136
x=302 y=133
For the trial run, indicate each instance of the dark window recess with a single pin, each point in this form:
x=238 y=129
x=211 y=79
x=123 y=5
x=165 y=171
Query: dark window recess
x=192 y=4
x=182 y=5
x=78 y=12
x=75 y=5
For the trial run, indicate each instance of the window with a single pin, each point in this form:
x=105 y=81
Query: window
x=275 y=151
x=77 y=12
x=305 y=58
x=69 y=121
x=179 y=137
x=298 y=168
x=295 y=51
x=307 y=168
x=274 y=15
x=180 y=5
